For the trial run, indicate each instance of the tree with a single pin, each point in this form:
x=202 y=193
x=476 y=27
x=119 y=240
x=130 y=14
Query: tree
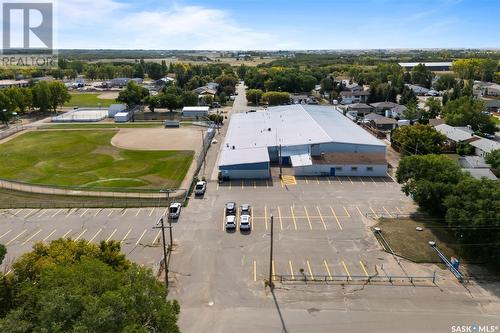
x=468 y=111
x=475 y=69
x=41 y=96
x=79 y=292
x=434 y=107
x=421 y=76
x=58 y=95
x=3 y=252
x=473 y=212
x=189 y=98
x=445 y=82
x=417 y=139
x=170 y=101
x=428 y=179
x=464 y=148
x=493 y=158
x=276 y=98
x=407 y=96
x=155 y=71
x=413 y=112
x=153 y=102
x=254 y=96
x=133 y=95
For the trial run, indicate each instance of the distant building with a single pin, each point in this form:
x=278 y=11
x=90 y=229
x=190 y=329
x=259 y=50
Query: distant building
x=417 y=90
x=491 y=105
x=455 y=135
x=357 y=96
x=398 y=112
x=484 y=146
x=13 y=83
x=361 y=109
x=381 y=107
x=380 y=122
x=433 y=66
x=195 y=111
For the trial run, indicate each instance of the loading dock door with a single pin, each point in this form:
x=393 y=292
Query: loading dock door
x=285 y=160
x=332 y=172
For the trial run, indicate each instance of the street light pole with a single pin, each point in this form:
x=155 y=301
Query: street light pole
x=271 y=284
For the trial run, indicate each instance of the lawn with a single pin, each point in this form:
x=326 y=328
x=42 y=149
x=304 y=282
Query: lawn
x=405 y=240
x=88 y=100
x=87 y=159
x=496 y=120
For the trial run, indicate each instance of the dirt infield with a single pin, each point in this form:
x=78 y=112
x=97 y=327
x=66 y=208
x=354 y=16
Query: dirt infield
x=184 y=138
x=109 y=95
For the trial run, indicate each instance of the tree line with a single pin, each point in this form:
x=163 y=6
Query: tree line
x=43 y=96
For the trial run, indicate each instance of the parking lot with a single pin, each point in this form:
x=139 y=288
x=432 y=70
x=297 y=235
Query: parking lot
x=22 y=228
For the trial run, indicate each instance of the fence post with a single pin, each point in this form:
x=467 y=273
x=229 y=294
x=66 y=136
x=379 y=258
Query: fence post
x=434 y=277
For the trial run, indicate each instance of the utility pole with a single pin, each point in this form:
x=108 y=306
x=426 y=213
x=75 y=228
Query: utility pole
x=271 y=284
x=160 y=225
x=167 y=191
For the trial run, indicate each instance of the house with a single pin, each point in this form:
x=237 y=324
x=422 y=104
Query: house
x=417 y=90
x=433 y=66
x=487 y=88
x=313 y=140
x=398 y=112
x=476 y=166
x=361 y=109
x=455 y=135
x=380 y=122
x=164 y=81
x=349 y=97
x=353 y=87
x=381 y=107
x=491 y=105
x=484 y=146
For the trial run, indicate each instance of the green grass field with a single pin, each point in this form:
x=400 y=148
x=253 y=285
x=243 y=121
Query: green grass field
x=87 y=159
x=103 y=125
x=88 y=100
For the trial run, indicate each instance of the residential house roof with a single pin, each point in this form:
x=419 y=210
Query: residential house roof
x=473 y=162
x=359 y=106
x=379 y=120
x=481 y=173
x=486 y=145
x=354 y=93
x=454 y=133
x=384 y=105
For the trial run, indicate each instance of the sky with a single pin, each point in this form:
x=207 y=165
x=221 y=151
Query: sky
x=276 y=24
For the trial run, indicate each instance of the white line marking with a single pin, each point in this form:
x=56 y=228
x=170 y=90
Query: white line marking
x=32 y=236
x=97 y=233
x=86 y=210
x=67 y=233
x=98 y=211
x=156 y=238
x=138 y=211
x=112 y=234
x=138 y=241
x=151 y=213
x=124 y=237
x=5 y=234
x=60 y=210
x=80 y=235
x=43 y=240
x=19 y=235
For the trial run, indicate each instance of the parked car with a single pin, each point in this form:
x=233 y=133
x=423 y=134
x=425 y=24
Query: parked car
x=175 y=210
x=245 y=224
x=230 y=222
x=200 y=188
x=432 y=93
x=231 y=208
x=246 y=209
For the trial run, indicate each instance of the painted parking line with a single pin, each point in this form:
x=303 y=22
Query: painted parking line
x=124 y=211
x=307 y=181
x=374 y=182
x=111 y=212
x=110 y=236
x=265 y=216
x=350 y=180
x=71 y=211
x=399 y=210
x=388 y=175
x=224 y=219
x=125 y=237
x=317 y=180
x=390 y=215
x=364 y=268
x=293 y=217
x=85 y=211
x=151 y=212
x=336 y=218
x=81 y=234
x=60 y=210
x=138 y=211
x=279 y=216
x=98 y=211
x=329 y=181
x=308 y=219
x=310 y=270
x=96 y=234
x=359 y=211
x=5 y=234
x=48 y=236
x=346 y=270
x=31 y=237
x=362 y=182
x=157 y=238
x=14 y=239
x=67 y=233
x=242 y=185
x=291 y=269
x=340 y=181
x=142 y=235
x=30 y=212
x=321 y=217
x=165 y=212
x=254 y=270
x=328 y=270
x=346 y=212
x=15 y=214
x=44 y=211
x=273 y=270
x=373 y=211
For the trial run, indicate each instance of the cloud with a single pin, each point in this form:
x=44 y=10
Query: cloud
x=114 y=25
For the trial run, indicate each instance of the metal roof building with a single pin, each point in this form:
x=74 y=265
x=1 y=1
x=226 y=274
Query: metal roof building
x=296 y=136
x=433 y=66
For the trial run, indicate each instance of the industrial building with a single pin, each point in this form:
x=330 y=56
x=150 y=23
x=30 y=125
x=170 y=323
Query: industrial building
x=433 y=66
x=195 y=111
x=312 y=140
